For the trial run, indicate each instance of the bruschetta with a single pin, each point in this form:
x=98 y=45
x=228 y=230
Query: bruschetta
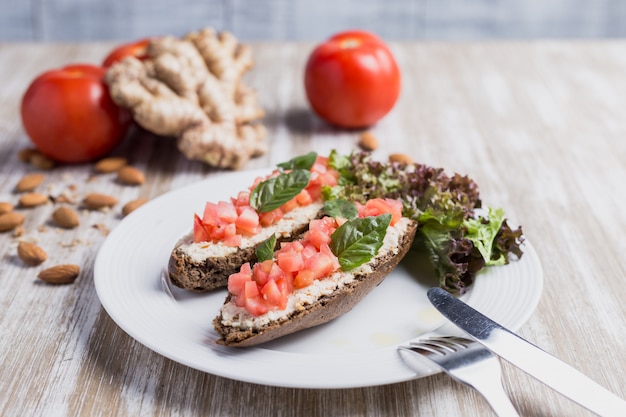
x=317 y=278
x=228 y=232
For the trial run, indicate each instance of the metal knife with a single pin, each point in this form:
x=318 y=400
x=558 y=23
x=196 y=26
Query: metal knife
x=528 y=357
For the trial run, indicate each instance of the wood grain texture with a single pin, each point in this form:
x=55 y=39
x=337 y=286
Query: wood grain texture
x=539 y=125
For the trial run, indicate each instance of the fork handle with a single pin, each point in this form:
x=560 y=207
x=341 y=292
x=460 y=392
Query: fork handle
x=498 y=399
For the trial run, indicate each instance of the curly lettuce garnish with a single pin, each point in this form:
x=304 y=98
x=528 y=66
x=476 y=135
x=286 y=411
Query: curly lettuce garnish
x=459 y=244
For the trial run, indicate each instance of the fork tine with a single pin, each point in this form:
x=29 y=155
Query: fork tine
x=441 y=345
x=467 y=362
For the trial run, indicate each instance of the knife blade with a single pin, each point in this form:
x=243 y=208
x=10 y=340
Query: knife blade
x=530 y=358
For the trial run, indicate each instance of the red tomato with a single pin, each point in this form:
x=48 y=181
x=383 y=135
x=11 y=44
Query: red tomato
x=70 y=116
x=136 y=49
x=352 y=80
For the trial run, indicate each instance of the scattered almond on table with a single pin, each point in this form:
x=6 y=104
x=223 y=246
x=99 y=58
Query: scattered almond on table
x=31 y=254
x=30 y=200
x=110 y=164
x=66 y=217
x=11 y=220
x=130 y=176
x=41 y=161
x=5 y=207
x=400 y=158
x=60 y=274
x=97 y=201
x=29 y=182
x=367 y=141
x=25 y=154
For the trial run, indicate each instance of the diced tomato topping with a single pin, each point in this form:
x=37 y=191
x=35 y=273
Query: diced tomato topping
x=315 y=191
x=237 y=281
x=285 y=285
x=329 y=178
x=304 y=278
x=320 y=230
x=276 y=272
x=256 y=305
x=289 y=205
x=304 y=198
x=308 y=251
x=293 y=246
x=378 y=206
x=230 y=230
x=290 y=261
x=232 y=241
x=248 y=221
x=210 y=215
x=250 y=289
x=199 y=232
x=243 y=199
x=272 y=294
x=261 y=272
x=246 y=268
x=325 y=249
x=226 y=212
x=340 y=221
x=321 y=265
x=270 y=217
x=240 y=301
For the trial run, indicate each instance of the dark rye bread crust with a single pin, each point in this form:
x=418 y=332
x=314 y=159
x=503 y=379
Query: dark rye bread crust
x=323 y=310
x=212 y=273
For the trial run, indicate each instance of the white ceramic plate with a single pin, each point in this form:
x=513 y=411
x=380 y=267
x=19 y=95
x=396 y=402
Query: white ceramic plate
x=355 y=350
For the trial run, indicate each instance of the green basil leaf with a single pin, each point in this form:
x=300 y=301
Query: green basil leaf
x=358 y=240
x=299 y=162
x=272 y=193
x=265 y=251
x=341 y=208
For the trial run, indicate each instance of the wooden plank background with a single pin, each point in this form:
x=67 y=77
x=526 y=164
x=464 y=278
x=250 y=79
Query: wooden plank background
x=93 y=20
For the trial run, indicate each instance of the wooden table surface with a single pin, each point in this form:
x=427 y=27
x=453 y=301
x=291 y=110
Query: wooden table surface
x=540 y=126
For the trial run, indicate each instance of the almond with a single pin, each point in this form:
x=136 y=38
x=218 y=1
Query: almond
x=96 y=201
x=60 y=274
x=33 y=199
x=110 y=164
x=25 y=154
x=29 y=182
x=5 y=207
x=41 y=161
x=130 y=176
x=66 y=217
x=400 y=158
x=31 y=254
x=133 y=205
x=368 y=141
x=9 y=221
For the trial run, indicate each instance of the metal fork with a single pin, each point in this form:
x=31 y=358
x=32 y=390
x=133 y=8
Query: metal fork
x=468 y=362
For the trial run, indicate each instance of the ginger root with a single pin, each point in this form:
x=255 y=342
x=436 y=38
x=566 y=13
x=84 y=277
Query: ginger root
x=190 y=88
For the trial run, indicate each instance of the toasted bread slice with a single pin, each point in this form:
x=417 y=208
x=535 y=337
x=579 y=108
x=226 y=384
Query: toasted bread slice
x=319 y=303
x=206 y=266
